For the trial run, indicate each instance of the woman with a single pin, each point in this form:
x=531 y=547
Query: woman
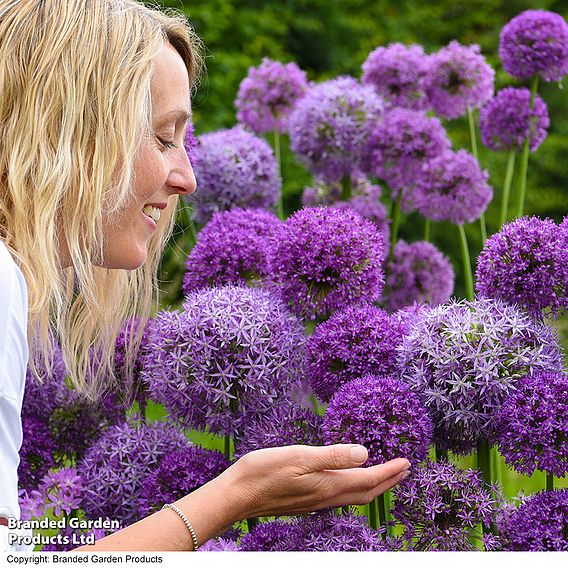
x=94 y=102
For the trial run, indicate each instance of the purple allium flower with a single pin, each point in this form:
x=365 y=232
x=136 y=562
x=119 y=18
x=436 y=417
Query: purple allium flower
x=275 y=536
x=535 y=43
x=464 y=358
x=459 y=79
x=526 y=263
x=283 y=425
x=227 y=357
x=440 y=506
x=219 y=545
x=507 y=120
x=357 y=340
x=418 y=272
x=179 y=472
x=532 y=428
x=234 y=168
x=384 y=415
x=326 y=259
x=330 y=126
x=113 y=469
x=401 y=144
x=231 y=249
x=36 y=452
x=452 y=187
x=268 y=94
x=32 y=504
x=539 y=523
x=190 y=141
x=63 y=490
x=399 y=74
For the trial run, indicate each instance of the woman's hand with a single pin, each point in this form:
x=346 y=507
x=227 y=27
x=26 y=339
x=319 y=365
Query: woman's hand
x=298 y=479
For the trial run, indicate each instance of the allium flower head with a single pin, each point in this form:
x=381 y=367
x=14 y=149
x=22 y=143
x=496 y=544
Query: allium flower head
x=32 y=504
x=274 y=536
x=190 y=141
x=535 y=43
x=532 y=429
x=400 y=146
x=225 y=358
x=526 y=263
x=539 y=523
x=326 y=259
x=507 y=120
x=418 y=272
x=219 y=545
x=234 y=168
x=399 y=74
x=62 y=490
x=178 y=473
x=384 y=415
x=440 y=506
x=268 y=94
x=464 y=358
x=115 y=466
x=330 y=126
x=36 y=452
x=452 y=187
x=231 y=249
x=460 y=78
x=357 y=340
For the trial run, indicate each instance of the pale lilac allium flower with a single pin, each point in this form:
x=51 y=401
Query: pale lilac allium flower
x=231 y=249
x=268 y=94
x=532 y=424
x=535 y=42
x=526 y=263
x=32 y=504
x=399 y=74
x=219 y=545
x=357 y=340
x=440 y=507
x=452 y=187
x=507 y=120
x=330 y=126
x=326 y=259
x=459 y=78
x=464 y=359
x=235 y=169
x=420 y=273
x=228 y=356
x=384 y=415
x=63 y=489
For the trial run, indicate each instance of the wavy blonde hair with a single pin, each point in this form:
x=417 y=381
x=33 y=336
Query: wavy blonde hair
x=74 y=105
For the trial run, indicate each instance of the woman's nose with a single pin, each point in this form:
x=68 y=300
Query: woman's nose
x=182 y=179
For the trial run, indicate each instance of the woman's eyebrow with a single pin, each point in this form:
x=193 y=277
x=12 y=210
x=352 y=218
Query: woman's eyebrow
x=180 y=115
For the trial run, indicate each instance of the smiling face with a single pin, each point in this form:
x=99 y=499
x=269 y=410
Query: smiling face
x=161 y=168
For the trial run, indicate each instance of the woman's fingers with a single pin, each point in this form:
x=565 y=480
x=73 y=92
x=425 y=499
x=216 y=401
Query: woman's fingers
x=335 y=456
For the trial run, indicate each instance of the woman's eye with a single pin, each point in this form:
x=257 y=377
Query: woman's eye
x=168 y=144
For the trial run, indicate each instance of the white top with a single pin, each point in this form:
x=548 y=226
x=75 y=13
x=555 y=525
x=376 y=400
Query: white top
x=13 y=364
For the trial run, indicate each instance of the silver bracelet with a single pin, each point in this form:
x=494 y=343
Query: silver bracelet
x=185 y=521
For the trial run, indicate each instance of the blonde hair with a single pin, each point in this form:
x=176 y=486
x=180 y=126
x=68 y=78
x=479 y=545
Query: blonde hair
x=74 y=105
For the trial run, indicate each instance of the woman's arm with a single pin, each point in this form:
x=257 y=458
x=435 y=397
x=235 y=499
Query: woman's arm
x=273 y=481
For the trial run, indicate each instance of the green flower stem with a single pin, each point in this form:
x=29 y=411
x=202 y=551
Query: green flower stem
x=466 y=263
x=346 y=188
x=549 y=481
x=427 y=224
x=395 y=216
x=484 y=461
x=441 y=455
x=525 y=156
x=278 y=155
x=507 y=187
x=345 y=510
x=382 y=512
x=475 y=152
x=373 y=522
x=227 y=451
x=251 y=523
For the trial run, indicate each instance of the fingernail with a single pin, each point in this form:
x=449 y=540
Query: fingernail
x=407 y=467
x=405 y=474
x=358 y=454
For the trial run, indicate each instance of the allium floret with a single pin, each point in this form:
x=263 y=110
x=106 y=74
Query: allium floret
x=62 y=490
x=274 y=536
x=219 y=545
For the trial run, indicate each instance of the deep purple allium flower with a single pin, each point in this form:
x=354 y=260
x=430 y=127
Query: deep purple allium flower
x=234 y=168
x=464 y=358
x=326 y=259
x=400 y=146
x=231 y=249
x=526 y=263
x=190 y=141
x=226 y=358
x=440 y=507
x=268 y=94
x=179 y=472
x=330 y=126
x=36 y=452
x=114 y=468
x=459 y=79
x=539 y=523
x=508 y=119
x=275 y=536
x=452 y=187
x=63 y=490
x=284 y=425
x=357 y=340
x=532 y=429
x=418 y=272
x=399 y=74
x=219 y=545
x=535 y=43
x=384 y=415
